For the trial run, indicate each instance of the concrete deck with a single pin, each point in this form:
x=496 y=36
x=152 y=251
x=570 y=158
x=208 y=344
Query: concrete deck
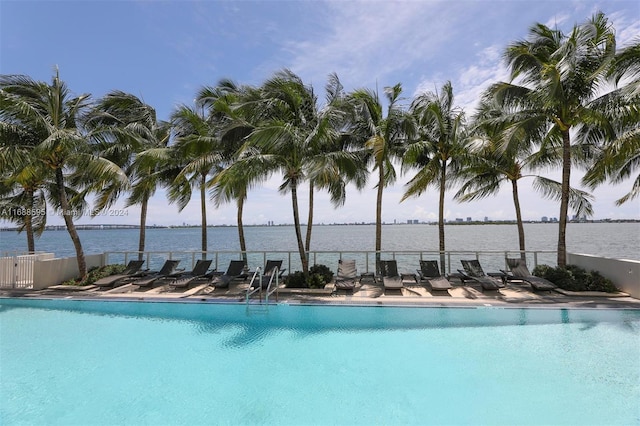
x=366 y=293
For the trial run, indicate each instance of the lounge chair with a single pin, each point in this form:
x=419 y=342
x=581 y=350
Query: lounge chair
x=473 y=272
x=430 y=273
x=520 y=272
x=268 y=273
x=183 y=279
x=391 y=280
x=347 y=276
x=234 y=270
x=167 y=269
x=131 y=271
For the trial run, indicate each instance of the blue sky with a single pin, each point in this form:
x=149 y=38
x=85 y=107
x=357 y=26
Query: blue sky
x=163 y=51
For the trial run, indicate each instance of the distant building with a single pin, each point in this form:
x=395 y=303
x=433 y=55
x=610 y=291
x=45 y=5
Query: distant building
x=468 y=219
x=486 y=218
x=545 y=219
x=459 y=219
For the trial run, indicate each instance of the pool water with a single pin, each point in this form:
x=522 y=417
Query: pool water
x=87 y=362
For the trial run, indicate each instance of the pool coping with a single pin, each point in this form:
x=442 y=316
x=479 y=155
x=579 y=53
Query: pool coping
x=579 y=302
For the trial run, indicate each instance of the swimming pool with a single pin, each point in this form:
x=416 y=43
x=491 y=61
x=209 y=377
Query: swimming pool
x=90 y=362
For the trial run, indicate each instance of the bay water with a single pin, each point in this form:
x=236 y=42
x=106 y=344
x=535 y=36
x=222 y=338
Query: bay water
x=612 y=240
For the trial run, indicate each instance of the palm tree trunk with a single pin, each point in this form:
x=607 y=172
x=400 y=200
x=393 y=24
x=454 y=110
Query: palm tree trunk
x=296 y=222
x=307 y=244
x=441 y=246
x=564 y=201
x=203 y=211
x=379 y=216
x=28 y=222
x=143 y=221
x=243 y=243
x=516 y=203
x=71 y=228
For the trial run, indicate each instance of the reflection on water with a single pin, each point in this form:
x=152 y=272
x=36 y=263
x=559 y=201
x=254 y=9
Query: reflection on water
x=247 y=328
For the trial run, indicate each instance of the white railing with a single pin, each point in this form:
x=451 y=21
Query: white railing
x=17 y=272
x=408 y=261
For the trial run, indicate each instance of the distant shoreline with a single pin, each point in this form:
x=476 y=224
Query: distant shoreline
x=105 y=227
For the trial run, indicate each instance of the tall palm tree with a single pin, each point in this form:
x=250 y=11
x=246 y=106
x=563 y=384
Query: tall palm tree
x=333 y=161
x=197 y=147
x=286 y=138
x=565 y=87
x=385 y=137
x=54 y=114
x=438 y=150
x=22 y=198
x=491 y=164
x=135 y=130
x=619 y=158
x=232 y=109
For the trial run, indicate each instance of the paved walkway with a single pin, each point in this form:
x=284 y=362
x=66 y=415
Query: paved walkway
x=366 y=293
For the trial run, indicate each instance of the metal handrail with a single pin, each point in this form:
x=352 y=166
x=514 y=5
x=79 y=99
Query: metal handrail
x=250 y=289
x=274 y=274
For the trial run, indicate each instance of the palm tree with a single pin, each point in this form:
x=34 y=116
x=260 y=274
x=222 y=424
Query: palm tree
x=135 y=133
x=197 y=147
x=52 y=112
x=439 y=150
x=333 y=163
x=231 y=108
x=22 y=198
x=560 y=84
x=491 y=164
x=617 y=162
x=385 y=138
x=619 y=159
x=286 y=138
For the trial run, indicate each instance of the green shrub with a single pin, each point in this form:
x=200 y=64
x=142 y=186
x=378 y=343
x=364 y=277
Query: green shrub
x=319 y=275
x=296 y=280
x=574 y=278
x=322 y=270
x=94 y=274
x=316 y=281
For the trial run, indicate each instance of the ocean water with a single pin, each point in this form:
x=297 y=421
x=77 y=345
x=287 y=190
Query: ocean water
x=102 y=363
x=615 y=240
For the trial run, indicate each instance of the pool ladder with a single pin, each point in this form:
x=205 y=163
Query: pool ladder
x=272 y=286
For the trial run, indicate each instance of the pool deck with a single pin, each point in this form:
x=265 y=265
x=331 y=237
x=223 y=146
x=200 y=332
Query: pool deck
x=367 y=293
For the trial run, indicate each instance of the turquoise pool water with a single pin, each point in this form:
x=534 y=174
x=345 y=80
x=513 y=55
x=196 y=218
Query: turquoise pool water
x=87 y=362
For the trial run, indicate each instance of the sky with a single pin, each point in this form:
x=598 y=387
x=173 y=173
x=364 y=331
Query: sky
x=164 y=51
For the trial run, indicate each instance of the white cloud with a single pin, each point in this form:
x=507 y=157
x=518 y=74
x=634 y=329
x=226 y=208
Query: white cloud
x=365 y=42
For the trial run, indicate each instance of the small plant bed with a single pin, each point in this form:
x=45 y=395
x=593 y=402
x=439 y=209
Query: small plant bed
x=575 y=279
x=94 y=275
x=319 y=276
